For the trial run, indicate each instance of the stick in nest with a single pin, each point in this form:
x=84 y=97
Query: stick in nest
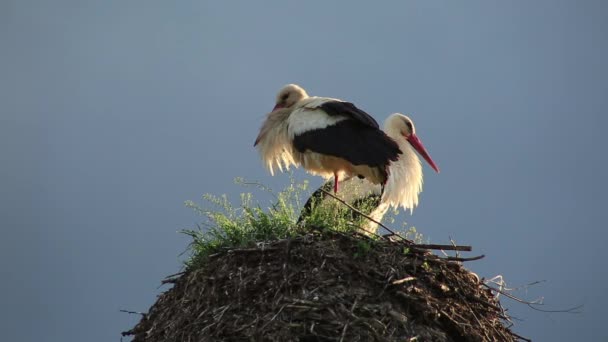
x=366 y=216
x=393 y=233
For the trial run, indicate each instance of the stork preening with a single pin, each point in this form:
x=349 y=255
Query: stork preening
x=326 y=136
x=404 y=182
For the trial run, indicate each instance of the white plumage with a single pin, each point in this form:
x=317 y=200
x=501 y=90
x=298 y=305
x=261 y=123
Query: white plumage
x=308 y=117
x=405 y=179
x=273 y=142
x=326 y=136
x=404 y=183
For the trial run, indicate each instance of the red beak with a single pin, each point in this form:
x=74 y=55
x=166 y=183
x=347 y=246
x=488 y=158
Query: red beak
x=417 y=144
x=278 y=106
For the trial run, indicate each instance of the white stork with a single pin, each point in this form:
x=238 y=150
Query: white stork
x=404 y=182
x=326 y=136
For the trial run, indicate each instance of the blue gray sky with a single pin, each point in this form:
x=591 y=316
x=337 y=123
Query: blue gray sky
x=113 y=113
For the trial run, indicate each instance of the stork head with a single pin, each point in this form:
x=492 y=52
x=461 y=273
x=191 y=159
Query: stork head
x=398 y=125
x=289 y=95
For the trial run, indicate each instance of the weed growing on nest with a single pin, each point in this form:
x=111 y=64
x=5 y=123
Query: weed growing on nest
x=228 y=226
x=239 y=226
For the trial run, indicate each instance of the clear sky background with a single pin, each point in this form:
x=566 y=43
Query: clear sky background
x=113 y=113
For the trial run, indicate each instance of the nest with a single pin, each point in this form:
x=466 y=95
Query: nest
x=326 y=287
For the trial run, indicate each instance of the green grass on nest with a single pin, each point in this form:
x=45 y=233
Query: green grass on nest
x=226 y=226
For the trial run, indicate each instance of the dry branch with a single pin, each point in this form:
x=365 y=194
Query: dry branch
x=393 y=233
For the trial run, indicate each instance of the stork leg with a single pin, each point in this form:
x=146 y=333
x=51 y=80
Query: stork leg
x=335 y=182
x=383 y=184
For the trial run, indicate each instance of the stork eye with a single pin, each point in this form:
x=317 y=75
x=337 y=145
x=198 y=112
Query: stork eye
x=284 y=97
x=409 y=125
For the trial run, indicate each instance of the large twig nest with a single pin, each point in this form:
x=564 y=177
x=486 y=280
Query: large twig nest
x=326 y=287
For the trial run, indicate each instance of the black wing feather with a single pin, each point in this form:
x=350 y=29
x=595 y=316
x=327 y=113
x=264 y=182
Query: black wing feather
x=337 y=108
x=351 y=140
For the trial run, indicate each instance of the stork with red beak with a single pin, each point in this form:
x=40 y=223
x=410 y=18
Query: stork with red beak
x=404 y=183
x=326 y=136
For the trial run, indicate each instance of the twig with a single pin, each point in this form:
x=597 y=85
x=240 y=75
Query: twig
x=343 y=332
x=274 y=317
x=532 y=305
x=526 y=286
x=175 y=274
x=520 y=337
x=454 y=244
x=451 y=258
x=252 y=250
x=143 y=314
x=217 y=319
x=172 y=278
x=488 y=304
x=401 y=281
x=364 y=215
x=409 y=242
x=445 y=247
x=352 y=308
x=168 y=281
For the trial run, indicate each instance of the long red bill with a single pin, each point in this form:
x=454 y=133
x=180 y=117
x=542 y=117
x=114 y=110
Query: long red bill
x=417 y=144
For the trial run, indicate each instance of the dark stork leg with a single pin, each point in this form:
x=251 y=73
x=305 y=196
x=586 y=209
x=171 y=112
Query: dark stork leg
x=383 y=184
x=335 y=182
x=314 y=200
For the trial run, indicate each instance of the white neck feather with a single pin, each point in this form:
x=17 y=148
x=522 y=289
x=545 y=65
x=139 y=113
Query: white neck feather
x=404 y=182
